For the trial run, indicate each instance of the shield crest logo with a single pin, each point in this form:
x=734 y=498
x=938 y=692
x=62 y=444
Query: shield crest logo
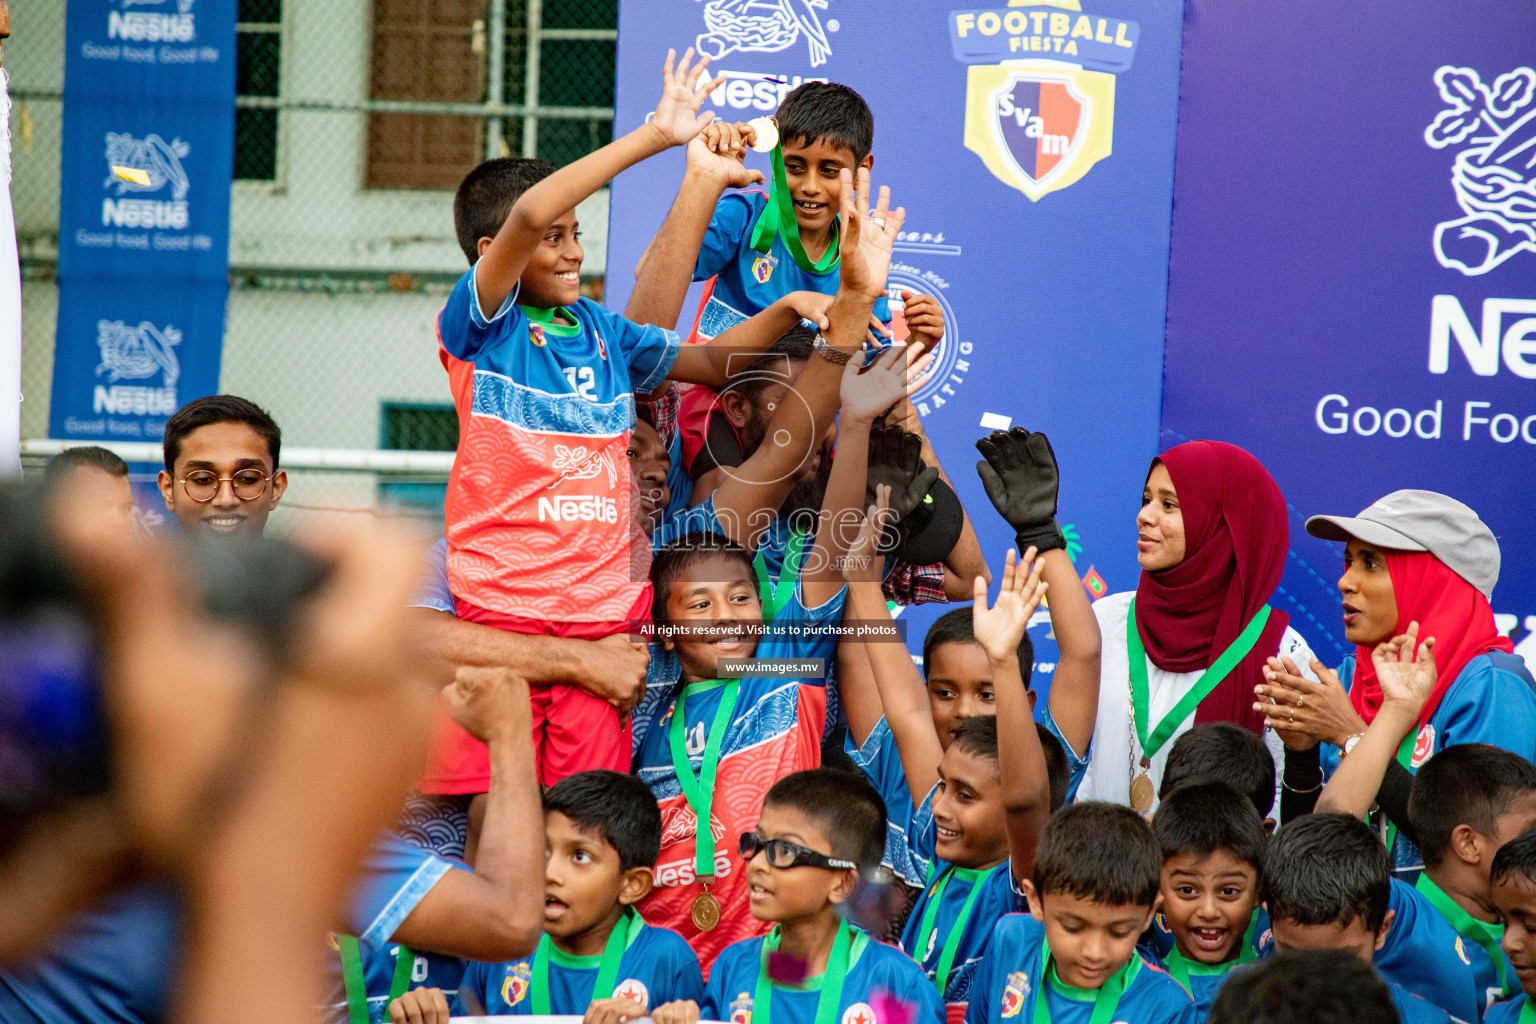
x=515 y=985
x=1039 y=125
x=762 y=269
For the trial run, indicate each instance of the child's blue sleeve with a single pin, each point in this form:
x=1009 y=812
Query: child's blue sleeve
x=398 y=874
x=717 y=996
x=686 y=976
x=1077 y=766
x=733 y=218
x=881 y=764
x=434 y=592
x=801 y=632
x=462 y=326
x=649 y=351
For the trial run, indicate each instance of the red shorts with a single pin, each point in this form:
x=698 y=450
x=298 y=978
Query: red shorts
x=573 y=731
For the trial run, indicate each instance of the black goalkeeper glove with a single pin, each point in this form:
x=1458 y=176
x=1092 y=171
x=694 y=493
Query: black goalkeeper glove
x=1018 y=470
x=896 y=459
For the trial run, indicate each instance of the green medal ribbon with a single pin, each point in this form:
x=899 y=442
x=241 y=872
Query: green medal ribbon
x=700 y=789
x=928 y=925
x=1181 y=967
x=623 y=935
x=356 y=984
x=1140 y=704
x=831 y=983
x=778 y=221
x=1483 y=933
x=775 y=593
x=1105 y=1001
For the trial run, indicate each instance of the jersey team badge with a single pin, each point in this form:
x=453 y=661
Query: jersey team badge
x=635 y=991
x=762 y=269
x=1014 y=993
x=536 y=334
x=1040 y=89
x=515 y=985
x=741 y=1009
x=1423 y=746
x=859 y=1013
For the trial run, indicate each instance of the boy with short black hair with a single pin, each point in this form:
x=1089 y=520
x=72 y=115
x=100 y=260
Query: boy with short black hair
x=93 y=480
x=1463 y=805
x=1226 y=753
x=221 y=476
x=1213 y=848
x=1327 y=884
x=1094 y=890
x=1514 y=899
x=820 y=833
x=597 y=957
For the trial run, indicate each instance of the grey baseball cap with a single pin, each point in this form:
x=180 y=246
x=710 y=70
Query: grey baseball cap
x=1423 y=521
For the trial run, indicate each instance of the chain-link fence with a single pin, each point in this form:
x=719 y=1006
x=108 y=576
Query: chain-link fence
x=354 y=121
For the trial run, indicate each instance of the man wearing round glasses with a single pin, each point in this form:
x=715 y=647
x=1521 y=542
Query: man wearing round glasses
x=221 y=476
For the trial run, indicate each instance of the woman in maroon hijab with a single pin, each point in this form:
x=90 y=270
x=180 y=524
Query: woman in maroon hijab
x=1211 y=541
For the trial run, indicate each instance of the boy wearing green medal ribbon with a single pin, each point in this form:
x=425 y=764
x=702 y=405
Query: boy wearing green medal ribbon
x=820 y=830
x=1073 y=959
x=1213 y=847
x=598 y=957
x=1514 y=898
x=753 y=248
x=1327 y=884
x=1464 y=803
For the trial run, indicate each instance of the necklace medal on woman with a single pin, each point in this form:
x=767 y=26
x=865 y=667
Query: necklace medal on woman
x=1152 y=739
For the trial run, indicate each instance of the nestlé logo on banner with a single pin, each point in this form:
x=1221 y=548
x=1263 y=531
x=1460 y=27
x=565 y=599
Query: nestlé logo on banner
x=137 y=353
x=1040 y=89
x=1493 y=180
x=161 y=163
x=171 y=21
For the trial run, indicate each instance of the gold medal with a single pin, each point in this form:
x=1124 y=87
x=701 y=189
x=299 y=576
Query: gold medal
x=1142 y=793
x=705 y=911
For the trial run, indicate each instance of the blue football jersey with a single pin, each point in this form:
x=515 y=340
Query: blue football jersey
x=1507 y=1012
x=874 y=969
x=1010 y=981
x=657 y=967
x=746 y=282
x=1413 y=1010
x=1426 y=956
x=995 y=898
x=1205 y=980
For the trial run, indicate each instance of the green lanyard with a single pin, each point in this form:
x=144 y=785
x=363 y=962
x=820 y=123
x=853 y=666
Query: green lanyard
x=775 y=593
x=1140 y=704
x=1105 y=1002
x=1528 y=1011
x=928 y=926
x=778 y=220
x=1484 y=934
x=356 y=984
x=700 y=789
x=831 y=983
x=1180 y=967
x=624 y=933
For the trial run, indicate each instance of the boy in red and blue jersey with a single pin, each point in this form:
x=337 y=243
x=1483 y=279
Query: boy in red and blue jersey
x=542 y=536
x=1514 y=899
x=1327 y=884
x=1092 y=893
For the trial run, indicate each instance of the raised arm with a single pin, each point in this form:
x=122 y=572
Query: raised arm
x=1406 y=671
x=1026 y=782
x=748 y=500
x=491 y=913
x=965 y=561
x=866 y=394
x=666 y=267
x=1018 y=470
x=888 y=680
x=675 y=122
x=713 y=364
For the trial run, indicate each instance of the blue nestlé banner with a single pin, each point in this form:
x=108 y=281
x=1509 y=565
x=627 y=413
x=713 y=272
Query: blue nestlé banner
x=149 y=91
x=1032 y=145
x=1353 y=285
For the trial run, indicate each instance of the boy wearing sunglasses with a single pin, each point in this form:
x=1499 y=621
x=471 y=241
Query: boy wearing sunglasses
x=597 y=958
x=819 y=830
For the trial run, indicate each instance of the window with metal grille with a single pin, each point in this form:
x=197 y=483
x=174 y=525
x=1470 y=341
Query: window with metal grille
x=487 y=78
x=258 y=73
x=417 y=426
